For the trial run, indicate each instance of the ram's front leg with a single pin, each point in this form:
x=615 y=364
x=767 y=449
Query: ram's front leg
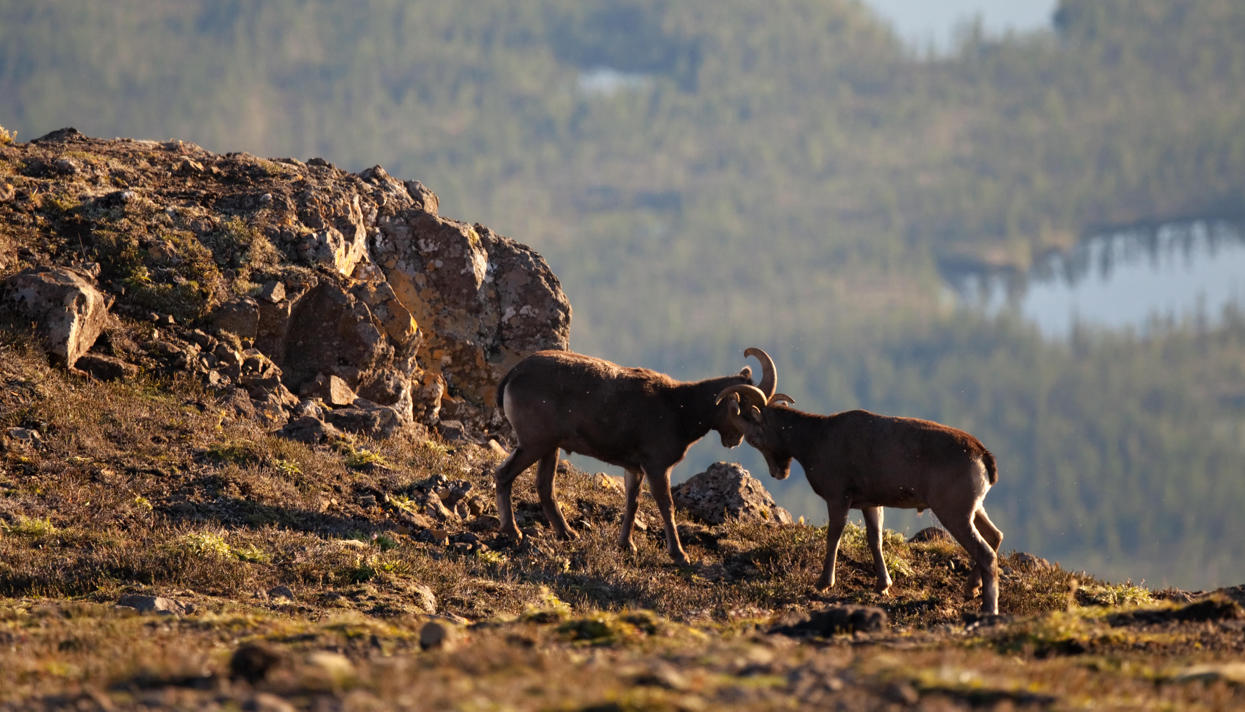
x=633 y=480
x=834 y=531
x=659 y=483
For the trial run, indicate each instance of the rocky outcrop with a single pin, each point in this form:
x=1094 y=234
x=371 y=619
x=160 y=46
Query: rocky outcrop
x=727 y=491
x=352 y=286
x=64 y=307
x=485 y=300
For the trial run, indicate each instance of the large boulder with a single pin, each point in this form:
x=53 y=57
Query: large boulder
x=483 y=300
x=727 y=491
x=65 y=307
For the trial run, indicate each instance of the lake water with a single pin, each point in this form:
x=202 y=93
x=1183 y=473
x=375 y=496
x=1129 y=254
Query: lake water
x=1126 y=279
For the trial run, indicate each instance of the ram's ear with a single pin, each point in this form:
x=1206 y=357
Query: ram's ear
x=746 y=372
x=754 y=414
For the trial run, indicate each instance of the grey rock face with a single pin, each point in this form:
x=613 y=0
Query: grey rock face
x=67 y=310
x=482 y=300
x=727 y=491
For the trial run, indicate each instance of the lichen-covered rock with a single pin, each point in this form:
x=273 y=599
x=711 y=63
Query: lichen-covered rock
x=65 y=307
x=328 y=274
x=484 y=300
x=727 y=491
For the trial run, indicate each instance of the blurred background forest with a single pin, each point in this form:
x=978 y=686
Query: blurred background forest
x=790 y=174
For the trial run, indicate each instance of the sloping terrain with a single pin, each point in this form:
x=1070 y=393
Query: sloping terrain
x=348 y=579
x=163 y=547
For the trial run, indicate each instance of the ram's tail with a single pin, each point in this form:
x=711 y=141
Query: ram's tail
x=501 y=390
x=992 y=470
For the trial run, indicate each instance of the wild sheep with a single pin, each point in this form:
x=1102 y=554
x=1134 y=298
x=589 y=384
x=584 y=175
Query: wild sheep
x=640 y=420
x=861 y=460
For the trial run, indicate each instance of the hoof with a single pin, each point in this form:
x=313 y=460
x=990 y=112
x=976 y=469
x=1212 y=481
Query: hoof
x=627 y=546
x=511 y=532
x=680 y=558
x=568 y=535
x=883 y=590
x=823 y=583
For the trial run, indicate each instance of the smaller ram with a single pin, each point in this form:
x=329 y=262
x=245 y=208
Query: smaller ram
x=861 y=460
x=640 y=420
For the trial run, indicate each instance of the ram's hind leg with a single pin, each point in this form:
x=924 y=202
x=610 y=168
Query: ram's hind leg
x=993 y=537
x=873 y=532
x=544 y=488
x=986 y=528
x=985 y=561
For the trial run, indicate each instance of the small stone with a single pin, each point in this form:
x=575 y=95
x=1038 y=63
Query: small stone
x=425 y=600
x=665 y=676
x=485 y=523
x=1030 y=562
x=106 y=368
x=902 y=693
x=273 y=292
x=833 y=620
x=278 y=593
x=252 y=662
x=309 y=430
x=452 y=430
x=24 y=436
x=267 y=702
x=1210 y=672
x=931 y=534
x=335 y=667
x=436 y=635
x=155 y=604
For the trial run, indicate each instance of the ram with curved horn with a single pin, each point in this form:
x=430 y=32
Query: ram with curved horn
x=861 y=460
x=640 y=420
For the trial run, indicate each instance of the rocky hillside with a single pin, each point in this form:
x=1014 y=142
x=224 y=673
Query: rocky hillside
x=245 y=457
x=300 y=290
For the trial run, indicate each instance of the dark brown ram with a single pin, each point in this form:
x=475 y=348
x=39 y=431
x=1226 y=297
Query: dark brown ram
x=861 y=460
x=640 y=420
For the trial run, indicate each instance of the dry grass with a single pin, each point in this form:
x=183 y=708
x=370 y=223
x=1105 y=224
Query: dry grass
x=152 y=487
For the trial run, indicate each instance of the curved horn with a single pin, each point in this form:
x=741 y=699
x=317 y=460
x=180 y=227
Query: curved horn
x=769 y=375
x=781 y=399
x=750 y=394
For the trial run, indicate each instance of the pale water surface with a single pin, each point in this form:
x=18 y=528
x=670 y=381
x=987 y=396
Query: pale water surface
x=1127 y=279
